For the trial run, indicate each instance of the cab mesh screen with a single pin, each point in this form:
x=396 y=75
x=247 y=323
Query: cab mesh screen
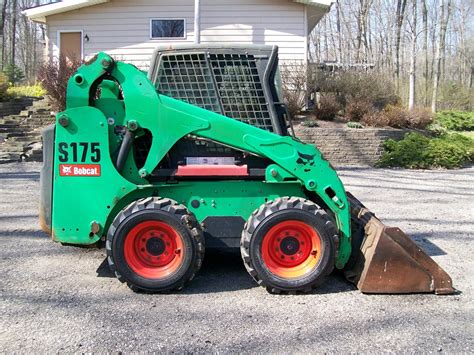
x=228 y=84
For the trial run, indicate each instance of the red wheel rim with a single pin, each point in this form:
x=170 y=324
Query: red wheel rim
x=291 y=249
x=153 y=249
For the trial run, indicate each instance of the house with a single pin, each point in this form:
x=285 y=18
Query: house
x=130 y=31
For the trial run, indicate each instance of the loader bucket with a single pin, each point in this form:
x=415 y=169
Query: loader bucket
x=386 y=260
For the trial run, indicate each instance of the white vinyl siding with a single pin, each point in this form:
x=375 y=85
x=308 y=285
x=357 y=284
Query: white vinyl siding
x=122 y=28
x=256 y=21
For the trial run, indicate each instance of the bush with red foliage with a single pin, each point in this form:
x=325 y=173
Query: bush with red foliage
x=420 y=118
x=357 y=108
x=327 y=108
x=54 y=75
x=399 y=117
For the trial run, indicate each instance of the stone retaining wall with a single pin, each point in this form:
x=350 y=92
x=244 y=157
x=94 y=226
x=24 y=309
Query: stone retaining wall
x=14 y=107
x=347 y=146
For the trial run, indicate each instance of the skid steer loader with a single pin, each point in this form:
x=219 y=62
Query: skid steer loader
x=199 y=154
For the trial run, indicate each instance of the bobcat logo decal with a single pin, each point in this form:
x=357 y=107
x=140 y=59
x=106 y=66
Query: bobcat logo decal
x=66 y=170
x=305 y=159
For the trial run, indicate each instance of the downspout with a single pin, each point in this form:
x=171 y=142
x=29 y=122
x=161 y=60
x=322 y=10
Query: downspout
x=306 y=56
x=306 y=36
x=197 y=22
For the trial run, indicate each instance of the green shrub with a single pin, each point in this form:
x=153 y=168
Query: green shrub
x=356 y=125
x=26 y=91
x=310 y=123
x=451 y=152
x=436 y=129
x=469 y=134
x=456 y=120
x=13 y=73
x=418 y=151
x=3 y=87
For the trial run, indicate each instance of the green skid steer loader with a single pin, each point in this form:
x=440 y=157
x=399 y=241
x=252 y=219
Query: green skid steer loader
x=196 y=155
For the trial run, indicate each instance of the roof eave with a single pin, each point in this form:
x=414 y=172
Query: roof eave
x=39 y=13
x=322 y=4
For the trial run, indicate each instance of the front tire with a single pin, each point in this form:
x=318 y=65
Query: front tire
x=155 y=245
x=289 y=245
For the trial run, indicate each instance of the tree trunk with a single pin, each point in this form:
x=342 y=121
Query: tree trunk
x=445 y=11
x=411 y=95
x=401 y=5
x=471 y=77
x=339 y=31
x=2 y=30
x=362 y=18
x=424 y=9
x=13 y=33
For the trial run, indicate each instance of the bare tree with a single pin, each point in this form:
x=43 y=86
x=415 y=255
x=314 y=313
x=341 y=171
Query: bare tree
x=362 y=18
x=2 y=29
x=445 y=11
x=424 y=10
x=13 y=32
x=339 y=31
x=401 y=6
x=411 y=96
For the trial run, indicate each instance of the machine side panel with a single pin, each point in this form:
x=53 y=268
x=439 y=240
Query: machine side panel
x=86 y=183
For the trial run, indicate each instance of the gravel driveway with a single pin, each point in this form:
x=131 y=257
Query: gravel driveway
x=57 y=298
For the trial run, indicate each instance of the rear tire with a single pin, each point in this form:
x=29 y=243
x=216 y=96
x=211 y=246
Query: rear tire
x=155 y=245
x=289 y=245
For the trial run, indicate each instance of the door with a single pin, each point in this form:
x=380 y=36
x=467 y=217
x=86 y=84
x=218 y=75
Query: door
x=70 y=46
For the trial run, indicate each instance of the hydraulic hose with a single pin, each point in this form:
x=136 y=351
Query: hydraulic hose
x=125 y=147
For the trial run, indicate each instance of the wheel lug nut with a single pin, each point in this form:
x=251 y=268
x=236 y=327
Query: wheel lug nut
x=177 y=251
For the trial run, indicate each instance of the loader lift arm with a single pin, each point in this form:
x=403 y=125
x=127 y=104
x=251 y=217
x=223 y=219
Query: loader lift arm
x=147 y=109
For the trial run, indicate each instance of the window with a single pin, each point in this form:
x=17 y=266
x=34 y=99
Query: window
x=167 y=28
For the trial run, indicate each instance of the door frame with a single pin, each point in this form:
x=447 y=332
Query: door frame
x=71 y=31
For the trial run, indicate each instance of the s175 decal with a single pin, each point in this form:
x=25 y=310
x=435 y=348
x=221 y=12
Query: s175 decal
x=79 y=152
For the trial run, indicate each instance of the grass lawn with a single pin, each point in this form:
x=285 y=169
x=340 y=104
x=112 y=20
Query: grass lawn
x=469 y=134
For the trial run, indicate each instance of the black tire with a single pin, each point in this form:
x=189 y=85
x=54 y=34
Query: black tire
x=273 y=213
x=162 y=210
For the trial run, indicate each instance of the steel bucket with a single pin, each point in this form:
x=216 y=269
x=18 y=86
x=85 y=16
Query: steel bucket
x=386 y=260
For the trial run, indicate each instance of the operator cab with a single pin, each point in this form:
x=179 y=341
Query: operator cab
x=239 y=82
